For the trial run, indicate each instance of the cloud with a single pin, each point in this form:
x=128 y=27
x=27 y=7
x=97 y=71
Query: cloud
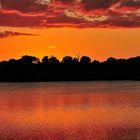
x=23 y=5
x=131 y=3
x=70 y=13
x=52 y=47
x=97 y=4
x=6 y=34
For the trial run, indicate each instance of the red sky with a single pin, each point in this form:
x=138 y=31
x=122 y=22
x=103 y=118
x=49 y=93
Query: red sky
x=96 y=28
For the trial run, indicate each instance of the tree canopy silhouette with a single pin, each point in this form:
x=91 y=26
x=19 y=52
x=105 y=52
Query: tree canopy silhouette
x=85 y=60
x=31 y=68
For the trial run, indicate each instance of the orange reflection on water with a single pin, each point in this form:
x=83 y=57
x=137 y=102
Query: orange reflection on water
x=72 y=111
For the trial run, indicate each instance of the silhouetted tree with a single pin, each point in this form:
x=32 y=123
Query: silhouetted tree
x=29 y=60
x=111 y=60
x=95 y=62
x=121 y=61
x=134 y=60
x=67 y=60
x=29 y=68
x=75 y=60
x=12 y=61
x=53 y=60
x=85 y=60
x=3 y=63
x=45 y=60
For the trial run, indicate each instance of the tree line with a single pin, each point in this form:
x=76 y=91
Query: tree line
x=32 y=69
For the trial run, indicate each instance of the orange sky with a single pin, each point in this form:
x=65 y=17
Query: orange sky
x=97 y=43
x=96 y=28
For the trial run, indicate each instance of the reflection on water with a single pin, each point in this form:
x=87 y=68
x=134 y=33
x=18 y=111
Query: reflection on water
x=70 y=111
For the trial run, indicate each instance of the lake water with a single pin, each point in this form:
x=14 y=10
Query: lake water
x=70 y=111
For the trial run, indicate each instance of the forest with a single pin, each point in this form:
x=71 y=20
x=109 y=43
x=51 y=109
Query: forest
x=32 y=69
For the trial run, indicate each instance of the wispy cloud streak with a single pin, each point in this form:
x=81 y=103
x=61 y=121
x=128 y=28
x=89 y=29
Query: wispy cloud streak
x=6 y=34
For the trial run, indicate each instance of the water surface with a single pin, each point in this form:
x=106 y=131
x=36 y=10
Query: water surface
x=70 y=111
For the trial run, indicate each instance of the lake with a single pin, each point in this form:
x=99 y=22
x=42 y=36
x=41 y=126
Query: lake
x=70 y=111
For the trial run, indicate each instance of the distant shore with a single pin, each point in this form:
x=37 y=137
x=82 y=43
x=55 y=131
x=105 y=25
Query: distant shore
x=31 y=69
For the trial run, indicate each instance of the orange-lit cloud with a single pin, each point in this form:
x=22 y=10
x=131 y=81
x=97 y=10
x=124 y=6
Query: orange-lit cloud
x=12 y=34
x=70 y=13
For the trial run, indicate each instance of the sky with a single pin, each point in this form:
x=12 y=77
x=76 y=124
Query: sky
x=96 y=28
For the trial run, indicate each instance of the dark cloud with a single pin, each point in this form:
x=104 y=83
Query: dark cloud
x=124 y=21
x=23 y=5
x=6 y=34
x=98 y=4
x=70 y=13
x=16 y=19
x=130 y=3
x=67 y=2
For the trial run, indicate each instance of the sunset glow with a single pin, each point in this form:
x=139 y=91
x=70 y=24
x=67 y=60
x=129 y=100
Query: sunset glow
x=99 y=29
x=69 y=69
x=96 y=43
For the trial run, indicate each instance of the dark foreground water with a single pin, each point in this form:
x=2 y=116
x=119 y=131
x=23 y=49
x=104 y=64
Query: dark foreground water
x=70 y=111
